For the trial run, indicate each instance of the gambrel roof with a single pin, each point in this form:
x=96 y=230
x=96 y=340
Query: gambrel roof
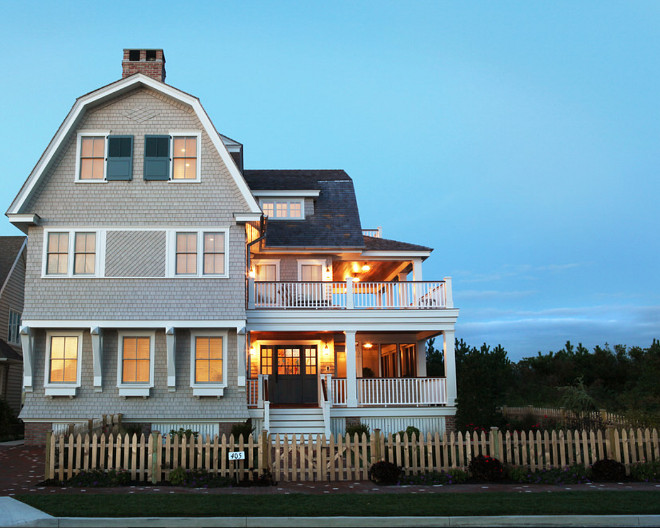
x=110 y=91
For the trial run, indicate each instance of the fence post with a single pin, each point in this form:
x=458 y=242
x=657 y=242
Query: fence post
x=264 y=447
x=154 y=446
x=47 y=474
x=493 y=442
x=611 y=449
x=377 y=452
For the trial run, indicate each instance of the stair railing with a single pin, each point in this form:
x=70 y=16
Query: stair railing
x=326 y=401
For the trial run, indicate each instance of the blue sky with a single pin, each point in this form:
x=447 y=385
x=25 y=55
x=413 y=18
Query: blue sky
x=519 y=139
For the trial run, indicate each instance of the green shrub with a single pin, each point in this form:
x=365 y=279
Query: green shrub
x=245 y=429
x=607 y=470
x=360 y=428
x=576 y=474
x=198 y=478
x=98 y=478
x=187 y=433
x=434 y=478
x=384 y=473
x=486 y=469
x=410 y=430
x=646 y=471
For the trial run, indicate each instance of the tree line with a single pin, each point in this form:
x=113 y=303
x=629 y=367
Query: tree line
x=620 y=379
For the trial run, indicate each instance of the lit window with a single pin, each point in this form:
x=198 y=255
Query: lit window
x=186 y=253
x=85 y=254
x=214 y=253
x=136 y=360
x=208 y=360
x=266 y=360
x=13 y=335
x=198 y=253
x=92 y=157
x=208 y=376
x=184 y=158
x=58 y=254
x=277 y=209
x=62 y=365
x=63 y=359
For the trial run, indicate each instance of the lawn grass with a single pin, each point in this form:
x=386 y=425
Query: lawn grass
x=296 y=505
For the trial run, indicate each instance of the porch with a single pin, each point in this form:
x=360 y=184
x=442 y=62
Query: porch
x=350 y=295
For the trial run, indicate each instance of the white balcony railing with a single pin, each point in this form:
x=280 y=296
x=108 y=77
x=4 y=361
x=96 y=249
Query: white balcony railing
x=350 y=295
x=402 y=391
x=376 y=233
x=339 y=391
x=252 y=389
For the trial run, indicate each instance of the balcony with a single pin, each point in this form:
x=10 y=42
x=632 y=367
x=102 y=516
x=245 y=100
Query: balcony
x=350 y=295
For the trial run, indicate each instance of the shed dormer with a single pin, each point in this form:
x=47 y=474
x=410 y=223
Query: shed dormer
x=287 y=204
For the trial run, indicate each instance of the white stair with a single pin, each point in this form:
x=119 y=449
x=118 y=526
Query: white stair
x=304 y=421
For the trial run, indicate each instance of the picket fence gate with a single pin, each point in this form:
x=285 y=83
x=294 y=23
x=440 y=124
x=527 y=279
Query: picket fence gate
x=317 y=458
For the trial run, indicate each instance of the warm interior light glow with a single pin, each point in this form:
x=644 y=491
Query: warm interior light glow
x=252 y=274
x=356 y=267
x=367 y=345
x=252 y=350
x=366 y=267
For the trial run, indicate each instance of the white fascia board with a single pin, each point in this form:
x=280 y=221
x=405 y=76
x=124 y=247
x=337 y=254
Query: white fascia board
x=301 y=250
x=115 y=89
x=13 y=266
x=107 y=323
x=352 y=320
x=247 y=217
x=31 y=219
x=399 y=254
x=309 y=193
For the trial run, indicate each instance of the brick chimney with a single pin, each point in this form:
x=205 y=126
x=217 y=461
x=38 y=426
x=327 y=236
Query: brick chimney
x=149 y=62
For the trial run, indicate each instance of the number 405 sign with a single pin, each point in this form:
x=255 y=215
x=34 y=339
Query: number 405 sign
x=237 y=455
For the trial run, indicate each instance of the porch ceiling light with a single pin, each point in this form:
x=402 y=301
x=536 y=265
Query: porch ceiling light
x=356 y=267
x=366 y=267
x=368 y=345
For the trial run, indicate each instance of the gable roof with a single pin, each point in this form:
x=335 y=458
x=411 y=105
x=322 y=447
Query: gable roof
x=385 y=244
x=111 y=91
x=335 y=222
x=11 y=248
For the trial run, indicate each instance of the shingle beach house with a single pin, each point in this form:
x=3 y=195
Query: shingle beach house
x=168 y=283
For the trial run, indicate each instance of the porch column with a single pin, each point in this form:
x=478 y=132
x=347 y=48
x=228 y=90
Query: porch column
x=351 y=370
x=450 y=365
x=97 y=357
x=421 y=358
x=417 y=269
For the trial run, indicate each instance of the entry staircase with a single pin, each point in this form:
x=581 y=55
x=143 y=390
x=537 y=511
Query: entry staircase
x=303 y=421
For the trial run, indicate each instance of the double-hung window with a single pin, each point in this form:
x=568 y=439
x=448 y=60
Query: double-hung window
x=174 y=157
x=208 y=376
x=135 y=369
x=71 y=253
x=13 y=334
x=103 y=157
x=199 y=253
x=63 y=359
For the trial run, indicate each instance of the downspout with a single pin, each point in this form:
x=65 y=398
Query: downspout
x=262 y=230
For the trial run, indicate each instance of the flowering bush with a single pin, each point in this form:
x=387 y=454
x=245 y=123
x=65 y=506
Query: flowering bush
x=486 y=468
x=576 y=474
x=646 y=471
x=98 y=478
x=198 y=478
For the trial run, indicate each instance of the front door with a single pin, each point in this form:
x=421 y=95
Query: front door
x=294 y=377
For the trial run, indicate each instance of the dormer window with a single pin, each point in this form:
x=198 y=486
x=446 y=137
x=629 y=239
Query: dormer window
x=102 y=157
x=279 y=209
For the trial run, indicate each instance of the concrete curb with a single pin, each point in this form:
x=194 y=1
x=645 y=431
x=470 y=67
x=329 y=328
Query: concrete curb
x=14 y=513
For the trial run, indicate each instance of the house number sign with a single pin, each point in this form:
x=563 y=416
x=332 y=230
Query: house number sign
x=237 y=455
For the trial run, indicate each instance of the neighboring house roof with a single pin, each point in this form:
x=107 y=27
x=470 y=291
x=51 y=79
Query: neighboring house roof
x=7 y=352
x=10 y=249
x=384 y=244
x=106 y=93
x=336 y=220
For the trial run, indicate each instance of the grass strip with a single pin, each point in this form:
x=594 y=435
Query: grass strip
x=297 y=505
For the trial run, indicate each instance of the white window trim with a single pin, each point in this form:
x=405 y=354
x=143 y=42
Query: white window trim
x=186 y=133
x=261 y=262
x=135 y=389
x=208 y=389
x=99 y=259
x=170 y=271
x=312 y=262
x=92 y=133
x=18 y=328
x=62 y=389
x=288 y=201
